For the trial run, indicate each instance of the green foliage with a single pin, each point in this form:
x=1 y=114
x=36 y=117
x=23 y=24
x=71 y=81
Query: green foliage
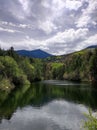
x=11 y=70
x=38 y=71
x=93 y=65
x=6 y=85
x=91 y=123
x=19 y=70
x=79 y=66
x=27 y=68
x=57 y=70
x=10 y=65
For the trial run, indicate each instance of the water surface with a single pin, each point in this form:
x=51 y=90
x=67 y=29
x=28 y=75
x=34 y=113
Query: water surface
x=48 y=105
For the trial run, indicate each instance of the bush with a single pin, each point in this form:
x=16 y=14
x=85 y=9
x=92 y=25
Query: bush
x=91 y=123
x=6 y=85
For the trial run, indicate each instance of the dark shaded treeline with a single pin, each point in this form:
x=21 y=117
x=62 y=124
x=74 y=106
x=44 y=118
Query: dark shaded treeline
x=19 y=70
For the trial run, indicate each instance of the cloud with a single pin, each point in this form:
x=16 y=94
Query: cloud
x=58 y=44
x=56 y=26
x=4 y=45
x=69 y=36
x=54 y=4
x=47 y=26
x=61 y=4
x=8 y=30
x=74 y=40
x=67 y=41
x=88 y=17
x=92 y=40
x=73 y=4
x=23 y=26
x=25 y=4
x=83 y=21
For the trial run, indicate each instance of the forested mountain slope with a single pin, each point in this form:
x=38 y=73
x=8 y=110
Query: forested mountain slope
x=78 y=66
x=19 y=70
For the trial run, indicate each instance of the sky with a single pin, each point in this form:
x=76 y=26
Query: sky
x=55 y=26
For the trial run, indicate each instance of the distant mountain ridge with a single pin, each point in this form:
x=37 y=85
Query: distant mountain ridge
x=92 y=46
x=34 y=53
x=38 y=53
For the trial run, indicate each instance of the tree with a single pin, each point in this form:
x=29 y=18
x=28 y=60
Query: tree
x=12 y=70
x=12 y=53
x=27 y=68
x=93 y=66
x=38 y=72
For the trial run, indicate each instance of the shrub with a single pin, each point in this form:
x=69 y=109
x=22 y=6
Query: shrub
x=6 y=85
x=91 y=123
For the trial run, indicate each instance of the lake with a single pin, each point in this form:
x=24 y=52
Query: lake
x=47 y=105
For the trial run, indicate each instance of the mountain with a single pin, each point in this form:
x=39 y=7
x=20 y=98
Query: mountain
x=34 y=53
x=91 y=47
x=61 y=58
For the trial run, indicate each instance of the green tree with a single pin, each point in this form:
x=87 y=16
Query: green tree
x=93 y=66
x=38 y=72
x=27 y=68
x=12 y=70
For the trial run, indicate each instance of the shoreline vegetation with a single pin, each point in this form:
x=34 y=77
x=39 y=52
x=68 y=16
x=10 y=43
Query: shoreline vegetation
x=18 y=70
x=91 y=122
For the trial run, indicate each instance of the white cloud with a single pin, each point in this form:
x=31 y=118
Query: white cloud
x=4 y=45
x=18 y=9
x=8 y=30
x=88 y=15
x=25 y=5
x=54 y=4
x=4 y=22
x=63 y=43
x=61 y=25
x=73 y=4
x=91 y=8
x=45 y=4
x=92 y=40
x=83 y=21
x=23 y=26
x=69 y=36
x=67 y=41
x=55 y=8
x=58 y=4
x=58 y=44
x=62 y=4
x=47 y=26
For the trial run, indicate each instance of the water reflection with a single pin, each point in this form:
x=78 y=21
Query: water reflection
x=56 y=115
x=46 y=105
